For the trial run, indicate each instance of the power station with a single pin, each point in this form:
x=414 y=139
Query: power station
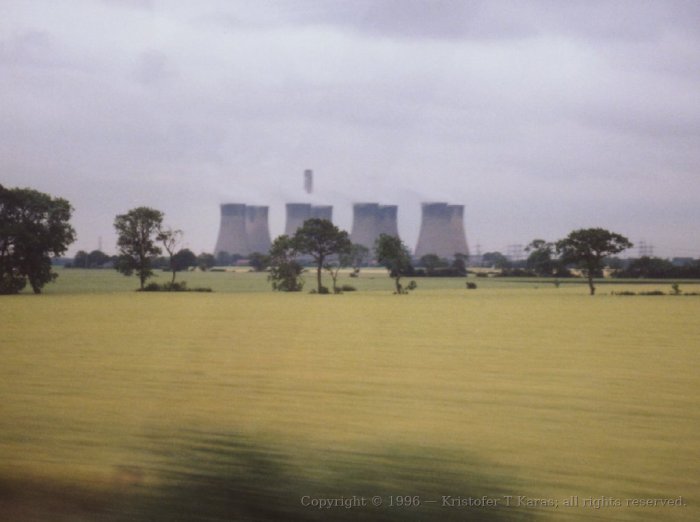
x=244 y=229
x=233 y=237
x=372 y=219
x=297 y=213
x=442 y=231
x=257 y=230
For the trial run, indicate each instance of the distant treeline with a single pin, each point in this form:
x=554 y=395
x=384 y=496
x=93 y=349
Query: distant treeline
x=658 y=268
x=640 y=268
x=427 y=266
x=182 y=260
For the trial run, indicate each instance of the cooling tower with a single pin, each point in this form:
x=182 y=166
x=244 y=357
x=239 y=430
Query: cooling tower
x=232 y=231
x=322 y=212
x=257 y=230
x=387 y=220
x=297 y=213
x=457 y=233
x=365 y=224
x=442 y=231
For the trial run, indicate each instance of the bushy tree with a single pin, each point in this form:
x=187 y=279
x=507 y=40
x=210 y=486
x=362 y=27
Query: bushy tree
x=459 y=264
x=357 y=257
x=496 y=260
x=285 y=271
x=137 y=233
x=97 y=259
x=393 y=255
x=258 y=261
x=171 y=240
x=651 y=267
x=205 y=261
x=184 y=259
x=431 y=262
x=541 y=260
x=33 y=227
x=321 y=239
x=81 y=259
x=587 y=248
x=223 y=258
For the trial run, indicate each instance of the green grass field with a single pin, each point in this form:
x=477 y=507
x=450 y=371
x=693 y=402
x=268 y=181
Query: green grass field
x=240 y=403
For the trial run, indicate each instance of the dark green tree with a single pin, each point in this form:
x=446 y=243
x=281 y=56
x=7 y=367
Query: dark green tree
x=496 y=260
x=431 y=262
x=588 y=247
x=81 y=259
x=205 y=261
x=333 y=266
x=541 y=259
x=184 y=259
x=223 y=258
x=171 y=240
x=33 y=227
x=459 y=264
x=96 y=259
x=321 y=239
x=393 y=255
x=650 y=267
x=285 y=271
x=357 y=257
x=137 y=233
x=258 y=261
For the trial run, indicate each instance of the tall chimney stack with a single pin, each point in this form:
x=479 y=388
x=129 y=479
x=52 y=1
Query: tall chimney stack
x=309 y=181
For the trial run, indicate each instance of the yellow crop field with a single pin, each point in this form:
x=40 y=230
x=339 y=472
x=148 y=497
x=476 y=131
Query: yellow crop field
x=515 y=403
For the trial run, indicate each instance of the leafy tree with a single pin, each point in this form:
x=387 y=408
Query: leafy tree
x=184 y=259
x=259 y=262
x=33 y=227
x=496 y=260
x=588 y=247
x=285 y=271
x=431 y=262
x=459 y=264
x=357 y=257
x=393 y=255
x=650 y=267
x=223 y=258
x=541 y=259
x=137 y=233
x=321 y=239
x=206 y=261
x=171 y=240
x=614 y=262
x=97 y=258
x=81 y=259
x=333 y=267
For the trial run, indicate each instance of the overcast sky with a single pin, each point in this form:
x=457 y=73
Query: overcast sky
x=539 y=116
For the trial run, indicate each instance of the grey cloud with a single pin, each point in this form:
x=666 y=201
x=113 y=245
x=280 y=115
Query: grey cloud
x=140 y=4
x=539 y=116
x=501 y=19
x=153 y=67
x=30 y=48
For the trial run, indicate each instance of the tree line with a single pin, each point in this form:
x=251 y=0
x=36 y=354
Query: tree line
x=35 y=228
